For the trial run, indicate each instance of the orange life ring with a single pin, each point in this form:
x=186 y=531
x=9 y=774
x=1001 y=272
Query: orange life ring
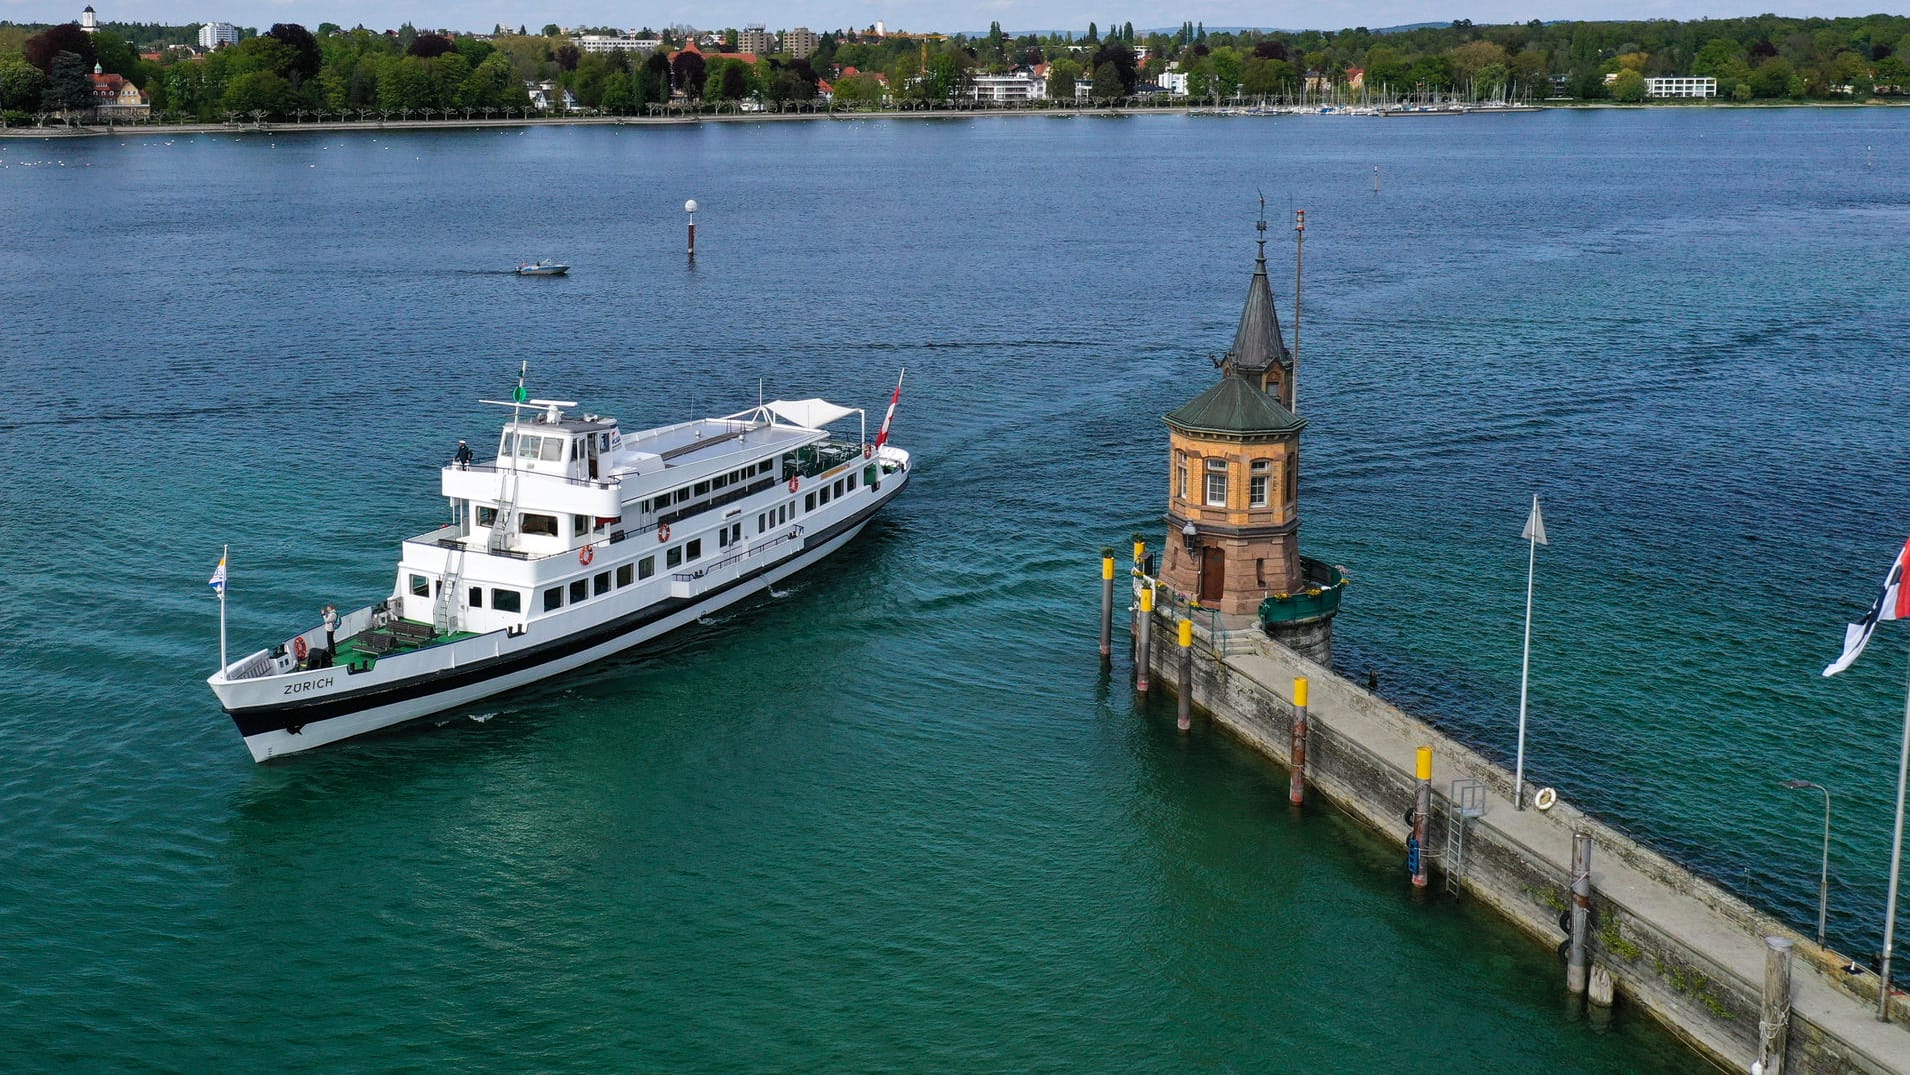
x=793 y=483
x=663 y=532
x=585 y=555
x=299 y=649
x=868 y=451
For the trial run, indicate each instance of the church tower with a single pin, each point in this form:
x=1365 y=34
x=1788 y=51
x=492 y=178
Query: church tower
x=1233 y=511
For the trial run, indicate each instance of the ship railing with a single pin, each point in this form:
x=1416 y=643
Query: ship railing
x=795 y=533
x=584 y=483
x=257 y=666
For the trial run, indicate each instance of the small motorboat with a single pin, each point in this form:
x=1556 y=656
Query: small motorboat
x=542 y=268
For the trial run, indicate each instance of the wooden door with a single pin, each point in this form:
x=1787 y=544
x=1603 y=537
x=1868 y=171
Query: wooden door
x=1213 y=574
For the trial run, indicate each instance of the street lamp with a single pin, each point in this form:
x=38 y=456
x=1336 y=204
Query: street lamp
x=1823 y=876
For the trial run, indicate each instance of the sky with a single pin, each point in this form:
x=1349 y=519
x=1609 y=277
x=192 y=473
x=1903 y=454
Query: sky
x=908 y=15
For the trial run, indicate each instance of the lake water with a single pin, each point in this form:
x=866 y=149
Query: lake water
x=898 y=818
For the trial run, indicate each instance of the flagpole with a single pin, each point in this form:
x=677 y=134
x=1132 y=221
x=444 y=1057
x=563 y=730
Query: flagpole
x=1525 y=662
x=1896 y=859
x=223 y=553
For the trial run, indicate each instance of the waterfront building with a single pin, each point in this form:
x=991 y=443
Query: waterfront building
x=1174 y=82
x=214 y=34
x=1018 y=85
x=1233 y=511
x=1681 y=87
x=116 y=98
x=89 y=20
x=756 y=39
x=801 y=43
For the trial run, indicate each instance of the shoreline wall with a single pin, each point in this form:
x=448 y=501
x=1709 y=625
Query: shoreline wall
x=1676 y=945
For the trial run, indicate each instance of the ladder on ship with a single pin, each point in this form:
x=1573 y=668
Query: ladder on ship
x=444 y=614
x=1467 y=801
x=506 y=521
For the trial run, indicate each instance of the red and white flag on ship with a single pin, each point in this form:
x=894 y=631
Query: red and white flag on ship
x=1892 y=604
x=882 y=437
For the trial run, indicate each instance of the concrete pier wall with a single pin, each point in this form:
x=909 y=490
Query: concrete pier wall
x=1676 y=945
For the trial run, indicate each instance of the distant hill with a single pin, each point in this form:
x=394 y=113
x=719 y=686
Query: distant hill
x=1170 y=30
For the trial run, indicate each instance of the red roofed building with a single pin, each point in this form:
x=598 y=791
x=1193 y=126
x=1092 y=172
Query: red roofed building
x=113 y=94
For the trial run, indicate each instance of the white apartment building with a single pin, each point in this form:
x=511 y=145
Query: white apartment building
x=1681 y=87
x=802 y=42
x=756 y=40
x=1174 y=82
x=642 y=46
x=1019 y=86
x=214 y=34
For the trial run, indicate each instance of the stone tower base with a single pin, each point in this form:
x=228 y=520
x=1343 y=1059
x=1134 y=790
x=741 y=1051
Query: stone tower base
x=1312 y=639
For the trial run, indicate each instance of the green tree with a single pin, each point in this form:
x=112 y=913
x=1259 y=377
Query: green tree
x=689 y=74
x=1107 y=83
x=68 y=87
x=258 y=91
x=305 y=60
x=858 y=90
x=21 y=85
x=1628 y=87
x=1062 y=75
x=42 y=48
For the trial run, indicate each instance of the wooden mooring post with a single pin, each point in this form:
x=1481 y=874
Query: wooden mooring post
x=1581 y=908
x=1774 y=1015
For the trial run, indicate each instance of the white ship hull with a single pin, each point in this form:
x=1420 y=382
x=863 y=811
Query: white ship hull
x=546 y=570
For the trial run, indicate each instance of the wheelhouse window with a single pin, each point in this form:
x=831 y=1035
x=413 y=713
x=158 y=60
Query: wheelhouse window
x=420 y=586
x=1257 y=484
x=486 y=516
x=1216 y=483
x=507 y=600
x=579 y=525
x=552 y=450
x=476 y=597
x=540 y=524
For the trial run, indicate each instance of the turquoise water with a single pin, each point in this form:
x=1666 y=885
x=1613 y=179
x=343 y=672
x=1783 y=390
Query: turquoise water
x=897 y=817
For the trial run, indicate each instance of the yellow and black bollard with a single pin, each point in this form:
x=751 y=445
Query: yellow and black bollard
x=1296 y=779
x=1107 y=605
x=1186 y=719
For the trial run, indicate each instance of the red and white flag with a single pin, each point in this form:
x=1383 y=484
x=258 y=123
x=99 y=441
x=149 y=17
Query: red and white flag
x=882 y=437
x=1892 y=604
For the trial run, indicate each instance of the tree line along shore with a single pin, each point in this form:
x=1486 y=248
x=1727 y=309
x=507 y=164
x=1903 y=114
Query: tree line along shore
x=54 y=74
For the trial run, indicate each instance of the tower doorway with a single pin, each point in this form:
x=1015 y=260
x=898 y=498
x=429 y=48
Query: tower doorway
x=1213 y=574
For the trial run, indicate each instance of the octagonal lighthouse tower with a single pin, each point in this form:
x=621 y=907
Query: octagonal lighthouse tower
x=1233 y=513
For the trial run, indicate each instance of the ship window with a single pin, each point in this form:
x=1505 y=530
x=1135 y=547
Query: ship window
x=852 y=481
x=579 y=590
x=809 y=502
x=507 y=600
x=553 y=450
x=487 y=516
x=579 y=525
x=625 y=573
x=824 y=495
x=694 y=550
x=553 y=598
x=719 y=481
x=702 y=488
x=603 y=442
x=723 y=537
x=477 y=597
x=540 y=524
x=682 y=495
x=601 y=584
x=673 y=558
x=420 y=586
x=762 y=522
x=646 y=567
x=838 y=487
x=527 y=446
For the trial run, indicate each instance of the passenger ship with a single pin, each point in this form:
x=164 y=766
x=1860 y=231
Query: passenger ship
x=578 y=541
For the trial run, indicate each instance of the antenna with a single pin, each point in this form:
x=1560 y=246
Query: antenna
x=1261 y=227
x=1299 y=244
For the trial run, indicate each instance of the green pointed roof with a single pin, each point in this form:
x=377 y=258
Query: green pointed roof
x=1235 y=407
x=1257 y=343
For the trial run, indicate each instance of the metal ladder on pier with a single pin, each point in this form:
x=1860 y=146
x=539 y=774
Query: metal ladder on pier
x=444 y=613
x=1467 y=801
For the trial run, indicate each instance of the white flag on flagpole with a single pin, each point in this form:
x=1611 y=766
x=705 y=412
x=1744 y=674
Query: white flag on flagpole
x=1893 y=603
x=1534 y=524
x=217 y=581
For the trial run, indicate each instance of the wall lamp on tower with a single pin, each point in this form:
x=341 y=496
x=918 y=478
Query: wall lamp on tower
x=1190 y=537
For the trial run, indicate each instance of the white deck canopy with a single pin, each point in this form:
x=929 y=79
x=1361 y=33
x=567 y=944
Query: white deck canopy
x=809 y=413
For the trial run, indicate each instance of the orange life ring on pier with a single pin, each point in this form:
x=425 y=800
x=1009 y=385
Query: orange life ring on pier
x=663 y=532
x=299 y=649
x=794 y=483
x=585 y=555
